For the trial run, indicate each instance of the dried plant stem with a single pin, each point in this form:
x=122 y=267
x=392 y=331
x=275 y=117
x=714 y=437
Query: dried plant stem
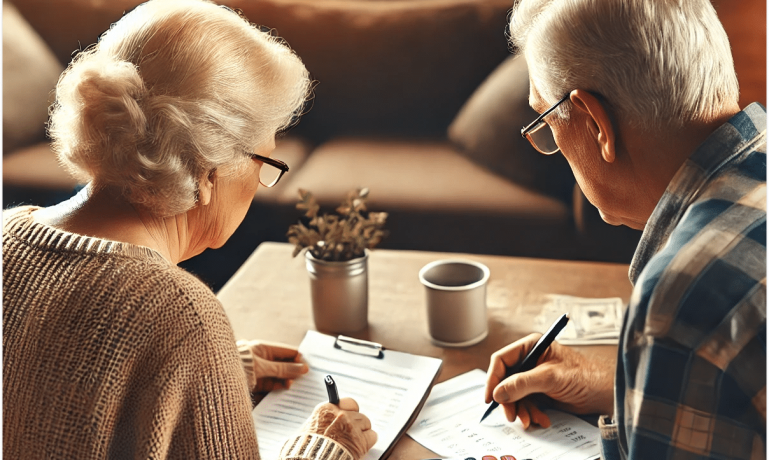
x=337 y=237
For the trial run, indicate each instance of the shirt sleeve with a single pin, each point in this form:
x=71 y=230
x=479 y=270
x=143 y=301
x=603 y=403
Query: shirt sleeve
x=692 y=381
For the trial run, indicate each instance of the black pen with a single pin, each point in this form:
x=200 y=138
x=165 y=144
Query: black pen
x=530 y=361
x=333 y=394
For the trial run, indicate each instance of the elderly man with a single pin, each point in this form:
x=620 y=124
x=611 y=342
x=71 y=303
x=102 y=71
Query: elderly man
x=640 y=96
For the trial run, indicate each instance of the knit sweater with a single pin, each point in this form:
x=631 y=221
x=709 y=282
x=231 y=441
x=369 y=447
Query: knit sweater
x=110 y=351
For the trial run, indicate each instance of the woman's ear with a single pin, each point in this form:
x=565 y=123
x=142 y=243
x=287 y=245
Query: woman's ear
x=598 y=122
x=206 y=187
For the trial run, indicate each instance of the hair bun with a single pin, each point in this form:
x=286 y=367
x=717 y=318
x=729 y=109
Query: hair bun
x=116 y=88
x=99 y=104
x=109 y=92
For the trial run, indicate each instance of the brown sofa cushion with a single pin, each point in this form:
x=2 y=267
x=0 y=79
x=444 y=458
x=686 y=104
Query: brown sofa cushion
x=487 y=130
x=427 y=176
x=30 y=72
x=436 y=199
x=36 y=166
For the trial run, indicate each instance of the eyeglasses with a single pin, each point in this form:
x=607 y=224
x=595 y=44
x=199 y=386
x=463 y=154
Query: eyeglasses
x=269 y=176
x=540 y=134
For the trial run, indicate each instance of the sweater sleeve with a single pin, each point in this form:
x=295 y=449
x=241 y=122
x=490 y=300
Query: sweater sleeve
x=309 y=446
x=215 y=418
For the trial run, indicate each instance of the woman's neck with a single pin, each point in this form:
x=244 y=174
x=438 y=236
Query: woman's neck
x=102 y=212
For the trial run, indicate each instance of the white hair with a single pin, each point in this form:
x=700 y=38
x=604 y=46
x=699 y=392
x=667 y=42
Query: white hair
x=658 y=62
x=174 y=89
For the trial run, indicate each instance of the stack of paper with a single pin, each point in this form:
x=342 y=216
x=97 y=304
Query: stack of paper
x=449 y=426
x=591 y=321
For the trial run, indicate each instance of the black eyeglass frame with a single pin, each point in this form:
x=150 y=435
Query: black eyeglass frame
x=538 y=123
x=274 y=162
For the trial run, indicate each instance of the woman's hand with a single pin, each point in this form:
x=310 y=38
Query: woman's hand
x=574 y=381
x=344 y=424
x=270 y=366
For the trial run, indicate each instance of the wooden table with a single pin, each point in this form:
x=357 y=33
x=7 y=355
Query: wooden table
x=269 y=299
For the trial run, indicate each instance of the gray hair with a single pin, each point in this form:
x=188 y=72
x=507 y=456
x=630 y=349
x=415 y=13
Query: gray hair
x=659 y=62
x=175 y=88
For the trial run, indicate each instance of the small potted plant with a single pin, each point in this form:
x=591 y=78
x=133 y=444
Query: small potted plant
x=336 y=252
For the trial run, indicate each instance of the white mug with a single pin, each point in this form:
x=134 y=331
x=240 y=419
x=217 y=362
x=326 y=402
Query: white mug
x=456 y=301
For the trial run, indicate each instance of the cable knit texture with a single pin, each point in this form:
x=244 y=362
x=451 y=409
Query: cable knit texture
x=314 y=446
x=247 y=360
x=110 y=351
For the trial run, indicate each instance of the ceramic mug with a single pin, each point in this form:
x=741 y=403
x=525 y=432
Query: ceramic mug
x=455 y=292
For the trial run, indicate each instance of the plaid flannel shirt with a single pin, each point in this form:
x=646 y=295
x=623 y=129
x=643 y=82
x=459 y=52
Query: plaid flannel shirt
x=691 y=371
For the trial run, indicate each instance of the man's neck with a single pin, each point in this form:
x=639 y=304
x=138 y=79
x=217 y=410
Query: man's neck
x=658 y=156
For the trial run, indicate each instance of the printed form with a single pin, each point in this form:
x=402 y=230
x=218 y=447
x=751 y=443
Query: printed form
x=388 y=391
x=448 y=425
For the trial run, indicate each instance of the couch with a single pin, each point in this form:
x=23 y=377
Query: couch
x=421 y=101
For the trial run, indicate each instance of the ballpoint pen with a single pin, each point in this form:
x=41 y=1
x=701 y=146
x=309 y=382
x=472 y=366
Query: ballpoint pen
x=333 y=394
x=530 y=361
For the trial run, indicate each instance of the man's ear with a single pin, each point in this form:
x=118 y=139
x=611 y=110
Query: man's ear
x=598 y=122
x=206 y=187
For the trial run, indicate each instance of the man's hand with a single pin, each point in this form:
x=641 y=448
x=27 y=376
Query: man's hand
x=344 y=424
x=574 y=381
x=270 y=366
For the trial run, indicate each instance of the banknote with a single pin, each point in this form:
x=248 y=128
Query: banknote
x=591 y=321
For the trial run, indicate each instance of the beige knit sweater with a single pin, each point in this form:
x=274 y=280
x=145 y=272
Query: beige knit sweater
x=110 y=351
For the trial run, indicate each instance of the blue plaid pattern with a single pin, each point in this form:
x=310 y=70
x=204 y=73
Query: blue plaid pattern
x=691 y=372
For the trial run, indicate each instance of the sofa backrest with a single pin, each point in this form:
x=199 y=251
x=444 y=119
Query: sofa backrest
x=400 y=68
x=396 y=67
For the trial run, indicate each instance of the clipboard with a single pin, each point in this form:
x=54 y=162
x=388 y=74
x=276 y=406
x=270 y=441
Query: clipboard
x=376 y=350
x=391 y=388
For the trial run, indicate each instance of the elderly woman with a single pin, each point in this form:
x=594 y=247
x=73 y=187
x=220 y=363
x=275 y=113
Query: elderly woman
x=110 y=349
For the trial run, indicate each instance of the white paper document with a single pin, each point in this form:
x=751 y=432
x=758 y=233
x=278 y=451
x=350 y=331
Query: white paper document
x=591 y=321
x=448 y=425
x=388 y=391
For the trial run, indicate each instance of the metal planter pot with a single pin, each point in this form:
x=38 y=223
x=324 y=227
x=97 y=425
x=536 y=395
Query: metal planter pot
x=339 y=293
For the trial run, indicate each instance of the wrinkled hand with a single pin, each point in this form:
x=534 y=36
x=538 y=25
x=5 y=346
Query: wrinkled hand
x=576 y=383
x=344 y=424
x=270 y=366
